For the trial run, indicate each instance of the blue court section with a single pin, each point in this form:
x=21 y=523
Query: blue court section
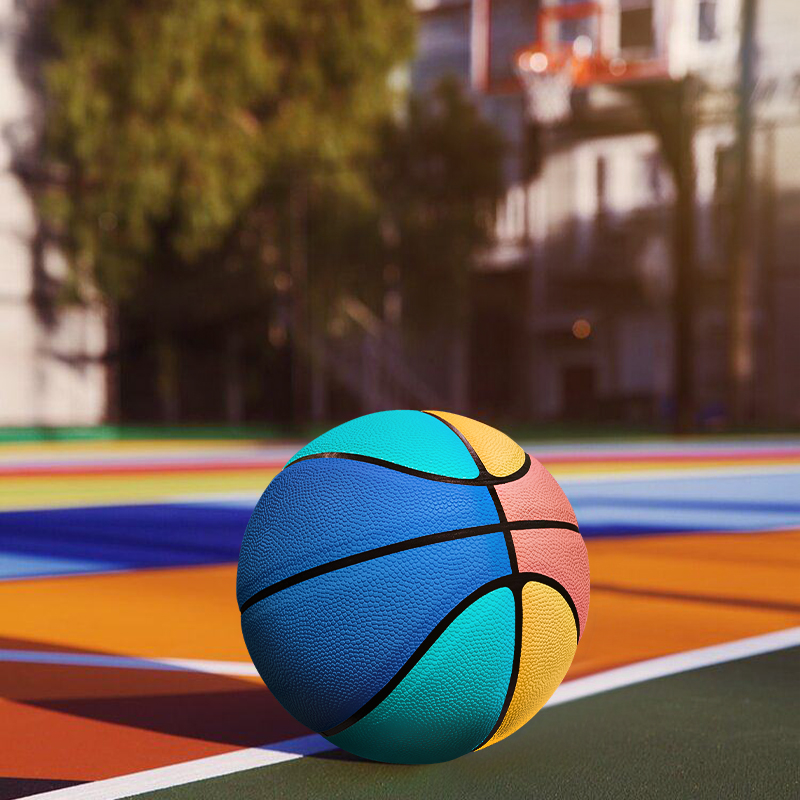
x=64 y=541
x=365 y=622
x=737 y=502
x=79 y=540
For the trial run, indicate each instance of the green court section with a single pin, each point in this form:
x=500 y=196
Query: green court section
x=409 y=439
x=451 y=699
x=730 y=731
x=132 y=433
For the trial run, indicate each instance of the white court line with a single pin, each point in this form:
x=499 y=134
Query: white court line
x=228 y=763
x=674 y=664
x=234 y=668
x=239 y=669
x=564 y=475
x=193 y=771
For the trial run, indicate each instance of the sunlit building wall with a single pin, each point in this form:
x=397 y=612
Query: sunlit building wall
x=591 y=224
x=51 y=357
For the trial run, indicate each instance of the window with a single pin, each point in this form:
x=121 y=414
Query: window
x=707 y=20
x=636 y=27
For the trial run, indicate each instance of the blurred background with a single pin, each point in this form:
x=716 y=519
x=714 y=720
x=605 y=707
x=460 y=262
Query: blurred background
x=283 y=215
x=248 y=220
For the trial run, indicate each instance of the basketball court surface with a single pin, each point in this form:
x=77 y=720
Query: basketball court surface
x=123 y=670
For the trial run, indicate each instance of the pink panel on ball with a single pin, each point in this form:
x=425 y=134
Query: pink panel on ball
x=535 y=496
x=561 y=555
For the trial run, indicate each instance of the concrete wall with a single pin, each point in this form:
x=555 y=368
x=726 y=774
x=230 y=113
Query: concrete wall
x=49 y=368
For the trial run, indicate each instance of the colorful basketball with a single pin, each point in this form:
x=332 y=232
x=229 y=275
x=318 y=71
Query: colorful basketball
x=413 y=586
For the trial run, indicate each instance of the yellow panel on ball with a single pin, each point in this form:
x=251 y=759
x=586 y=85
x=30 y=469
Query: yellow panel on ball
x=500 y=455
x=548 y=645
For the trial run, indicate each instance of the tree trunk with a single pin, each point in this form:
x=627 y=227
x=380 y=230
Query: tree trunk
x=168 y=389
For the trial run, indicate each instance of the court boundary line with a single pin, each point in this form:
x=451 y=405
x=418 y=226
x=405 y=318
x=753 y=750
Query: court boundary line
x=565 y=477
x=63 y=658
x=187 y=772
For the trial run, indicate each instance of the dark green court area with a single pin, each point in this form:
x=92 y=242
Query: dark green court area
x=730 y=731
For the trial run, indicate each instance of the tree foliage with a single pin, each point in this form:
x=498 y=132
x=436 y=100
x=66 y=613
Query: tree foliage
x=170 y=118
x=204 y=149
x=439 y=176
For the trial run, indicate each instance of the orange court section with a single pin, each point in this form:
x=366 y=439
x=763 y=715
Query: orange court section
x=656 y=595
x=651 y=596
x=668 y=592
x=182 y=612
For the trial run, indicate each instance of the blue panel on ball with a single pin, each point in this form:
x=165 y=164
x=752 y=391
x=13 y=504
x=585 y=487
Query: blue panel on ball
x=411 y=439
x=328 y=508
x=326 y=646
x=451 y=699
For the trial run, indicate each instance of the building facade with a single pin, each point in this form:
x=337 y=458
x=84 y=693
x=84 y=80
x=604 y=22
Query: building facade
x=587 y=221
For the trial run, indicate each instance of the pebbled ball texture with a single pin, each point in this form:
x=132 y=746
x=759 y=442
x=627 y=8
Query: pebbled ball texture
x=561 y=554
x=449 y=702
x=324 y=509
x=412 y=586
x=400 y=599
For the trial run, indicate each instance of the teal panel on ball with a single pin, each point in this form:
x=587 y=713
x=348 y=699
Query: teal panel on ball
x=410 y=439
x=451 y=699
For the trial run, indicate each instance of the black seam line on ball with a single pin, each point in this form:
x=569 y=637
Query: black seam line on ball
x=483 y=479
x=501 y=515
x=398 y=547
x=475 y=457
x=512 y=679
x=514 y=582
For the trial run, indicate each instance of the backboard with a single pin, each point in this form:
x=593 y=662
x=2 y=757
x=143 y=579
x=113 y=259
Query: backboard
x=600 y=42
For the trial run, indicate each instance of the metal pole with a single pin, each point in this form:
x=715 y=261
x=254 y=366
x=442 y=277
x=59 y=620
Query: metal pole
x=769 y=368
x=684 y=256
x=298 y=268
x=743 y=256
x=672 y=112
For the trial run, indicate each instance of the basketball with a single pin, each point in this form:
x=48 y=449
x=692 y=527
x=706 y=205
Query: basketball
x=413 y=586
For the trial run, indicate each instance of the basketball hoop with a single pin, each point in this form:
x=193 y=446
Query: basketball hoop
x=548 y=83
x=552 y=67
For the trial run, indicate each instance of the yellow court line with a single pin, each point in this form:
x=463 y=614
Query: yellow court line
x=10 y=451
x=606 y=467
x=72 y=491
x=69 y=491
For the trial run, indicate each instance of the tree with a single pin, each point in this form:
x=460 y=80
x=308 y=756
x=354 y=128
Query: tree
x=439 y=177
x=179 y=128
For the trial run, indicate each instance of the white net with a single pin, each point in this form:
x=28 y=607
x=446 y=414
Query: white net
x=548 y=90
